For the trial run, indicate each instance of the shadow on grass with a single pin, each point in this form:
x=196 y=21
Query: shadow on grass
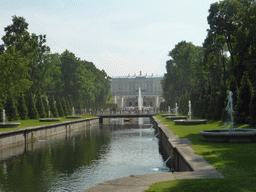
x=194 y=185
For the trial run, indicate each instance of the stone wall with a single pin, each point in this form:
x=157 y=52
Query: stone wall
x=21 y=136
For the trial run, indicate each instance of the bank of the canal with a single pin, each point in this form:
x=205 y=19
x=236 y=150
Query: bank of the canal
x=186 y=162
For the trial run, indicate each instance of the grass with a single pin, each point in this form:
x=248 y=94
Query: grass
x=235 y=161
x=35 y=122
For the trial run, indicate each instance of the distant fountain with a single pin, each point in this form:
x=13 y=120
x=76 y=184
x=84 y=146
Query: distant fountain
x=49 y=114
x=5 y=124
x=190 y=121
x=115 y=99
x=73 y=111
x=73 y=115
x=122 y=102
x=4 y=115
x=230 y=135
x=157 y=101
x=229 y=109
x=176 y=109
x=169 y=109
x=140 y=102
x=189 y=111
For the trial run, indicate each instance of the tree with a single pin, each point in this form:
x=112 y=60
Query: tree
x=1 y=111
x=252 y=116
x=40 y=107
x=53 y=107
x=14 y=73
x=10 y=108
x=64 y=105
x=242 y=111
x=17 y=35
x=59 y=107
x=32 y=111
x=46 y=105
x=22 y=108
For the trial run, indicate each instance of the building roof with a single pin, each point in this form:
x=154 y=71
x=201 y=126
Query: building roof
x=136 y=78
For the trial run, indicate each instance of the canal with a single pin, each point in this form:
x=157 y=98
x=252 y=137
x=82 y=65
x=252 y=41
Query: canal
x=89 y=156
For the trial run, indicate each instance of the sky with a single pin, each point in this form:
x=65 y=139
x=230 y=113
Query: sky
x=119 y=36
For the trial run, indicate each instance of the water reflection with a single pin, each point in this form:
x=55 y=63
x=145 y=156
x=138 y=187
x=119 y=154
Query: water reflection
x=89 y=156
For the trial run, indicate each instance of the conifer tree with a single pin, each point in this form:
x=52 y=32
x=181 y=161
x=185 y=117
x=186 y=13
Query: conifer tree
x=243 y=101
x=53 y=107
x=22 y=108
x=68 y=107
x=1 y=111
x=64 y=105
x=46 y=106
x=253 y=108
x=59 y=107
x=11 y=109
x=40 y=107
x=32 y=111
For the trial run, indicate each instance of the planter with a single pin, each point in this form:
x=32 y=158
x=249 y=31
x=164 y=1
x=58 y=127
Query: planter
x=165 y=115
x=49 y=119
x=227 y=136
x=73 y=117
x=9 y=125
x=176 y=117
x=190 y=122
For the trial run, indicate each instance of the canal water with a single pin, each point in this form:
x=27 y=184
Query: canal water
x=91 y=155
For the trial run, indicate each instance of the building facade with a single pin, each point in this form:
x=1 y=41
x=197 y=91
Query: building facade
x=126 y=90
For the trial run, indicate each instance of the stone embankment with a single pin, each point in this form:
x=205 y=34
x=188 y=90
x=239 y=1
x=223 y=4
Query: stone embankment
x=17 y=142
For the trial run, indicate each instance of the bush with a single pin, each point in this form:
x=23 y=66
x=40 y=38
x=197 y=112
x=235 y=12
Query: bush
x=40 y=107
x=22 y=108
x=243 y=101
x=11 y=109
x=32 y=111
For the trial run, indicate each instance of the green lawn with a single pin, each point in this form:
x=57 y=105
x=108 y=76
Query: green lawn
x=34 y=122
x=237 y=162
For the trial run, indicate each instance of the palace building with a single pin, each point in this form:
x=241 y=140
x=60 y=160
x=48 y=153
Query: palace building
x=126 y=90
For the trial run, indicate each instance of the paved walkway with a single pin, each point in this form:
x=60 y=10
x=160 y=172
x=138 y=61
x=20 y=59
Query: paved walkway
x=139 y=183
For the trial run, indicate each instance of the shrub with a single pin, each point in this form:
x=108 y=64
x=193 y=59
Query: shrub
x=22 y=108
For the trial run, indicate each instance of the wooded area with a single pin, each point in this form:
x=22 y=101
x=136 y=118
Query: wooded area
x=34 y=80
x=225 y=62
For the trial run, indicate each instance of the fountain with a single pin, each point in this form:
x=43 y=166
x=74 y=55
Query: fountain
x=176 y=117
x=140 y=101
x=230 y=135
x=175 y=110
x=73 y=115
x=4 y=124
x=190 y=121
x=49 y=119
